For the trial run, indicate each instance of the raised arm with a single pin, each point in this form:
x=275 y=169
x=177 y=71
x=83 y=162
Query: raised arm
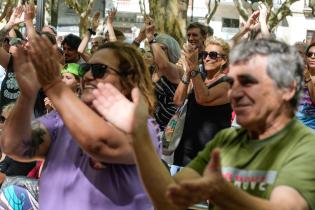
x=21 y=139
x=87 y=36
x=15 y=19
x=93 y=134
x=184 y=87
x=109 y=24
x=263 y=14
x=165 y=66
x=29 y=15
x=250 y=24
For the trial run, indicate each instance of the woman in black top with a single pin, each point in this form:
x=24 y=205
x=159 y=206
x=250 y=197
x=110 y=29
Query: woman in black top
x=166 y=53
x=208 y=108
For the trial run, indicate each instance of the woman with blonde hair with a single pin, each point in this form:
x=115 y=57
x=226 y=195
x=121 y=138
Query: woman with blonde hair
x=208 y=107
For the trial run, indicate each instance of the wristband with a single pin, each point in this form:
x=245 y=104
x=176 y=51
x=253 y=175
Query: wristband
x=185 y=79
x=91 y=31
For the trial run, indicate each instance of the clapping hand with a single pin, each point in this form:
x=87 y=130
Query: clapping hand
x=190 y=55
x=25 y=73
x=16 y=17
x=129 y=116
x=44 y=58
x=149 y=27
x=190 y=192
x=29 y=12
x=252 y=21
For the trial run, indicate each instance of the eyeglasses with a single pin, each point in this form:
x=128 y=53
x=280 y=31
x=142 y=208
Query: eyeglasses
x=212 y=54
x=98 y=70
x=310 y=54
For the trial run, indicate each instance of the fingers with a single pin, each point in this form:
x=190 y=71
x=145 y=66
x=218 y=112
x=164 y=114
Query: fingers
x=215 y=163
x=179 y=196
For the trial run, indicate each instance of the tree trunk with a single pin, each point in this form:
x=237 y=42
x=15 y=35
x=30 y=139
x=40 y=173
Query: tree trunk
x=83 y=9
x=170 y=17
x=283 y=11
x=211 y=12
x=83 y=24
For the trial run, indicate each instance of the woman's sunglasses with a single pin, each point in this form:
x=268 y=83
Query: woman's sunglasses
x=310 y=54
x=212 y=54
x=98 y=70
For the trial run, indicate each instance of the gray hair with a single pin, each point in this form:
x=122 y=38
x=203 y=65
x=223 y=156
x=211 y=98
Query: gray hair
x=173 y=48
x=284 y=64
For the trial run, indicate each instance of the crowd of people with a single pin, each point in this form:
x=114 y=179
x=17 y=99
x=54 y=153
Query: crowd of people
x=88 y=127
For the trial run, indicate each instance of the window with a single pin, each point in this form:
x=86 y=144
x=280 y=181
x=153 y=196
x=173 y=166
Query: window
x=230 y=23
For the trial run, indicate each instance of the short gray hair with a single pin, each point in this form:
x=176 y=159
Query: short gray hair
x=173 y=48
x=284 y=64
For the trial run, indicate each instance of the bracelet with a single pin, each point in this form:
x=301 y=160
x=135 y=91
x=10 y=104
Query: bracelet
x=185 y=79
x=52 y=84
x=91 y=31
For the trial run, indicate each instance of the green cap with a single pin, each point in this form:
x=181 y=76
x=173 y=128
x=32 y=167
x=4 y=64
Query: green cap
x=72 y=68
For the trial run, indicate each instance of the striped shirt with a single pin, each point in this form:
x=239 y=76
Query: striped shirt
x=165 y=109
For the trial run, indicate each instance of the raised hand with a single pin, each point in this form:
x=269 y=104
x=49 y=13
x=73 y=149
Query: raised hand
x=29 y=12
x=263 y=12
x=16 y=17
x=44 y=59
x=129 y=116
x=96 y=21
x=191 y=58
x=25 y=73
x=149 y=27
x=252 y=21
x=187 y=193
x=111 y=15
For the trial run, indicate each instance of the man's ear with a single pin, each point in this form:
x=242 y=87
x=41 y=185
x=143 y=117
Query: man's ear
x=289 y=92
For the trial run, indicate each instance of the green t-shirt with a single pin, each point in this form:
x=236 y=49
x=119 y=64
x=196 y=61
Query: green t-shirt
x=257 y=167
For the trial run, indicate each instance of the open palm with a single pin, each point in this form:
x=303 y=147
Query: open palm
x=117 y=109
x=25 y=73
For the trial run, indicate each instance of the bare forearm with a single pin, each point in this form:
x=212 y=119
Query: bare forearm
x=200 y=89
x=90 y=131
x=18 y=128
x=5 y=30
x=180 y=94
x=31 y=32
x=84 y=42
x=111 y=33
x=237 y=37
x=165 y=67
x=154 y=175
x=264 y=30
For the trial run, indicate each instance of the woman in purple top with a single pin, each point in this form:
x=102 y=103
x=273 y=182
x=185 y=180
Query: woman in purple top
x=89 y=163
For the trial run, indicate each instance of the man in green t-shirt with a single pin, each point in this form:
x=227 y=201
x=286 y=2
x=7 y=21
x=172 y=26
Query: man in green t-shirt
x=265 y=165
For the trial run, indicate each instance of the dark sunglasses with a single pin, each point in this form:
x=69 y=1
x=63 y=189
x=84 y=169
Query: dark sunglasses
x=99 y=70
x=310 y=54
x=212 y=54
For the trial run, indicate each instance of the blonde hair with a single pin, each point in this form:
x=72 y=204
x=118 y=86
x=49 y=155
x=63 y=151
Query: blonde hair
x=223 y=44
x=134 y=71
